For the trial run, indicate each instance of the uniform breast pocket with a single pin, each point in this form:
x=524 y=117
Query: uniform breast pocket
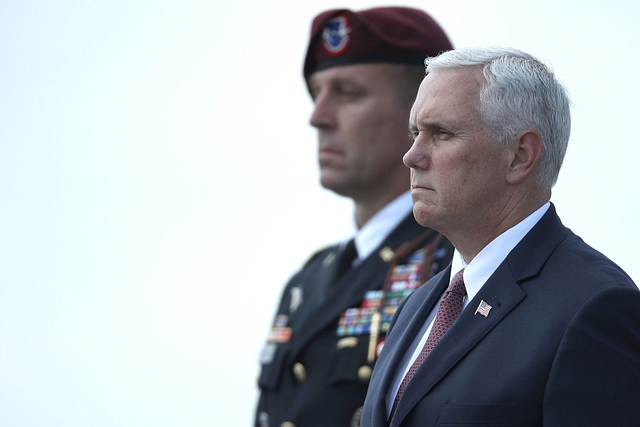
x=452 y=415
x=348 y=361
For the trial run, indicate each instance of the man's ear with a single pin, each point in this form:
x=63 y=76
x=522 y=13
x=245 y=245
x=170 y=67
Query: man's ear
x=525 y=153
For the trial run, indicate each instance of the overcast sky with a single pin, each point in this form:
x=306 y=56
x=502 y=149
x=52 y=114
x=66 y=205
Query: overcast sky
x=159 y=185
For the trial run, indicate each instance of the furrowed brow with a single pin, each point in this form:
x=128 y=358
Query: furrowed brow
x=432 y=125
x=438 y=127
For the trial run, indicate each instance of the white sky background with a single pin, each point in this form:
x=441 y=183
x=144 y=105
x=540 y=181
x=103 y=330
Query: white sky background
x=158 y=186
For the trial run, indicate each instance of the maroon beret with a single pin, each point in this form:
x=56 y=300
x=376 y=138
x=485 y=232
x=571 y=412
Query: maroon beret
x=399 y=35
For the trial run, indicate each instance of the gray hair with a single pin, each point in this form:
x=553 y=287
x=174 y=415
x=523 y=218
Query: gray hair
x=520 y=93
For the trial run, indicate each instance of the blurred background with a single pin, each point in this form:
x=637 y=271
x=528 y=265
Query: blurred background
x=158 y=185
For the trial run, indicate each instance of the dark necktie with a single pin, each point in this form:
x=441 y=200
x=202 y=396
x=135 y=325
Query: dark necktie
x=449 y=310
x=347 y=255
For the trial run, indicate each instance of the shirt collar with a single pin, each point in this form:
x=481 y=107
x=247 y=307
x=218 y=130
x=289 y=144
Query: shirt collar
x=478 y=271
x=373 y=233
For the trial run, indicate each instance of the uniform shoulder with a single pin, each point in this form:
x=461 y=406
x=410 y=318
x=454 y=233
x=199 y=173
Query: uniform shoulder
x=318 y=253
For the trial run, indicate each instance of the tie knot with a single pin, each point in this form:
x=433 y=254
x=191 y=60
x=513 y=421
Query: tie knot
x=457 y=284
x=350 y=252
x=346 y=256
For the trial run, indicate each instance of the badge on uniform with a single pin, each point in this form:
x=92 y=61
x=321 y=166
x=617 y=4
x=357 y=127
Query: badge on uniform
x=378 y=307
x=280 y=333
x=267 y=353
x=411 y=265
x=403 y=281
x=296 y=299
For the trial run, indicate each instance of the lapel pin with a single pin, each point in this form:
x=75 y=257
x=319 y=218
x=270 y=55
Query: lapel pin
x=483 y=308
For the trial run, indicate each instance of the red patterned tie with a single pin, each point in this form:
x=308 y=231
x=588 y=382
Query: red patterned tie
x=449 y=310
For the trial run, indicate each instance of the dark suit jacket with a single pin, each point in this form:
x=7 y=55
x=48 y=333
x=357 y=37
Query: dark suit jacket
x=560 y=346
x=332 y=388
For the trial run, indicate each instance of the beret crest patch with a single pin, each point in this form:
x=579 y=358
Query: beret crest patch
x=336 y=35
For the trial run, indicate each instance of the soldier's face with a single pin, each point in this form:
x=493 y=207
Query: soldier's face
x=362 y=128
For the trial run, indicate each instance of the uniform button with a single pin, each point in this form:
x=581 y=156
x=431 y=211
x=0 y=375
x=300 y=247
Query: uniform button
x=356 y=418
x=301 y=375
x=287 y=424
x=364 y=373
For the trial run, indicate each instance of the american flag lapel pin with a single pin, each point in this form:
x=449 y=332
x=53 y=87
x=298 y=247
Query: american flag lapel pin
x=483 y=308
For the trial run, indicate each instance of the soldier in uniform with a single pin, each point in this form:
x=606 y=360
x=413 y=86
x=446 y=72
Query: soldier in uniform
x=362 y=70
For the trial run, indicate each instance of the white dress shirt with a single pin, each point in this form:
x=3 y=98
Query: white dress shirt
x=369 y=237
x=476 y=273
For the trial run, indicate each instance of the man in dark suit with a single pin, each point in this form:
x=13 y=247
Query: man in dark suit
x=363 y=70
x=539 y=329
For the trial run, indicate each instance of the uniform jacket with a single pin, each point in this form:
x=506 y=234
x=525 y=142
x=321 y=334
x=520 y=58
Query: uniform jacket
x=317 y=378
x=560 y=345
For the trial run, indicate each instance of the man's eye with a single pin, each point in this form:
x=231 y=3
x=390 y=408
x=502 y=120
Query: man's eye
x=348 y=94
x=313 y=91
x=441 y=133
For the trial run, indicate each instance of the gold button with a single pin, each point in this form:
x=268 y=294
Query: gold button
x=287 y=424
x=356 y=418
x=300 y=372
x=364 y=373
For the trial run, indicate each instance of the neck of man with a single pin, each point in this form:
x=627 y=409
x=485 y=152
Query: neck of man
x=367 y=204
x=470 y=240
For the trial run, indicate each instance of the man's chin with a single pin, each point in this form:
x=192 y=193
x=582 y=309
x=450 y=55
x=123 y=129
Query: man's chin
x=423 y=213
x=332 y=176
x=329 y=182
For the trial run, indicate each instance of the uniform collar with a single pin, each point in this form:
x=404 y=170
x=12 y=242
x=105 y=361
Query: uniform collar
x=369 y=237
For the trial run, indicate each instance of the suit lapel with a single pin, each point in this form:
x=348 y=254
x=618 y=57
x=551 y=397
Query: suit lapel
x=465 y=333
x=398 y=342
x=502 y=291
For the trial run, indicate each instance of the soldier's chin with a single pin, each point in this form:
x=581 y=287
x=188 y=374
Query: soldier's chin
x=333 y=183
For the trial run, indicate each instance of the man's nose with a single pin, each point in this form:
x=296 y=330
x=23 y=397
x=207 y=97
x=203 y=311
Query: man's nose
x=323 y=115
